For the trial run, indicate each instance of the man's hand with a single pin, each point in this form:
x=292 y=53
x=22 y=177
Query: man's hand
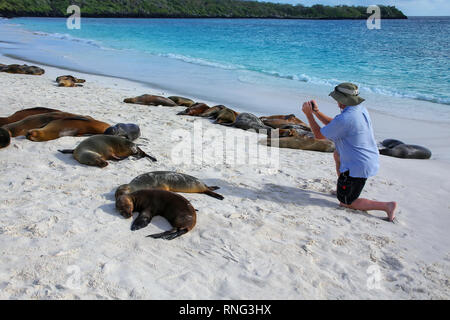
x=315 y=107
x=307 y=108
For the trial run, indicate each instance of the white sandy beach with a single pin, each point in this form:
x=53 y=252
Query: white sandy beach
x=278 y=234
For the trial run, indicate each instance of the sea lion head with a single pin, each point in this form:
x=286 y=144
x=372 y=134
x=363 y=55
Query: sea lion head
x=122 y=190
x=129 y=100
x=125 y=206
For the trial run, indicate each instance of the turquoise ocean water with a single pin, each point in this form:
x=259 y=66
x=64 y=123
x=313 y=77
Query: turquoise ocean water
x=405 y=59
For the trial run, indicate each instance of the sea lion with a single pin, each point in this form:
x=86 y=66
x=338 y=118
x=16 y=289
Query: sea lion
x=72 y=78
x=95 y=150
x=129 y=131
x=20 y=128
x=151 y=100
x=149 y=203
x=212 y=112
x=169 y=181
x=195 y=110
x=5 y=138
x=226 y=116
x=247 y=121
x=71 y=126
x=407 y=151
x=67 y=83
x=23 y=69
x=278 y=123
x=390 y=143
x=22 y=114
x=181 y=101
x=303 y=142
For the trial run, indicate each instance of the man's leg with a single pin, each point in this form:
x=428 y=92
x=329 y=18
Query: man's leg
x=367 y=205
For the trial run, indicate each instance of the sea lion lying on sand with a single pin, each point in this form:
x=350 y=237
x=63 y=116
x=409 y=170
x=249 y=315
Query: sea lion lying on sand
x=195 y=110
x=71 y=78
x=23 y=69
x=149 y=203
x=69 y=81
x=247 y=121
x=129 y=131
x=95 y=150
x=278 y=122
x=20 y=128
x=151 y=100
x=303 y=142
x=212 y=112
x=397 y=149
x=226 y=116
x=72 y=126
x=5 y=138
x=169 y=181
x=22 y=114
x=181 y=101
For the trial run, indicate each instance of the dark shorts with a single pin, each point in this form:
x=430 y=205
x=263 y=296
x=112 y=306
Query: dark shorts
x=349 y=188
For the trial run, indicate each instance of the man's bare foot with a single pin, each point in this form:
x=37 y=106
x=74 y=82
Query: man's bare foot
x=391 y=207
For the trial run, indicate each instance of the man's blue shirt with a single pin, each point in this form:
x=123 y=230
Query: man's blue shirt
x=352 y=133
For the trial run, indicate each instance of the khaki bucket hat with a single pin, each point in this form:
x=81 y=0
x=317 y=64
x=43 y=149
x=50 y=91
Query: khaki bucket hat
x=347 y=93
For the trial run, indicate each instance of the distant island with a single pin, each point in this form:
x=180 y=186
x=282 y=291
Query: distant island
x=188 y=9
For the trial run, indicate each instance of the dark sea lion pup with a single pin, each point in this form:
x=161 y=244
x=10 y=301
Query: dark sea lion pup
x=129 y=131
x=149 y=203
x=407 y=151
x=151 y=100
x=169 y=181
x=95 y=150
x=5 y=138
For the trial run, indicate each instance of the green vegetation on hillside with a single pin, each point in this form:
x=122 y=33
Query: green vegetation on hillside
x=188 y=9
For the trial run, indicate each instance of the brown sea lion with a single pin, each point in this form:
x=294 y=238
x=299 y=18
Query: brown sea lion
x=70 y=126
x=277 y=122
x=72 y=78
x=303 y=142
x=5 y=138
x=151 y=100
x=195 y=110
x=22 y=114
x=67 y=83
x=169 y=181
x=181 y=101
x=95 y=150
x=212 y=112
x=226 y=116
x=20 y=128
x=23 y=69
x=149 y=203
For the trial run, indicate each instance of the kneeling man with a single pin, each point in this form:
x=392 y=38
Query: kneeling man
x=356 y=155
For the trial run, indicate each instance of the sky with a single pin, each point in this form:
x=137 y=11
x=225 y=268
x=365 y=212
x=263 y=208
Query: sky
x=408 y=7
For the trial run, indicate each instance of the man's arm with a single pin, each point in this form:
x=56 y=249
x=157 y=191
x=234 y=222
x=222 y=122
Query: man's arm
x=322 y=117
x=307 y=110
x=337 y=159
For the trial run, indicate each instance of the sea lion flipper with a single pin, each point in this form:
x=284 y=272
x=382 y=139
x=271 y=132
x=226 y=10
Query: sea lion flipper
x=67 y=151
x=141 y=222
x=169 y=235
x=212 y=188
x=150 y=157
x=213 y=194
